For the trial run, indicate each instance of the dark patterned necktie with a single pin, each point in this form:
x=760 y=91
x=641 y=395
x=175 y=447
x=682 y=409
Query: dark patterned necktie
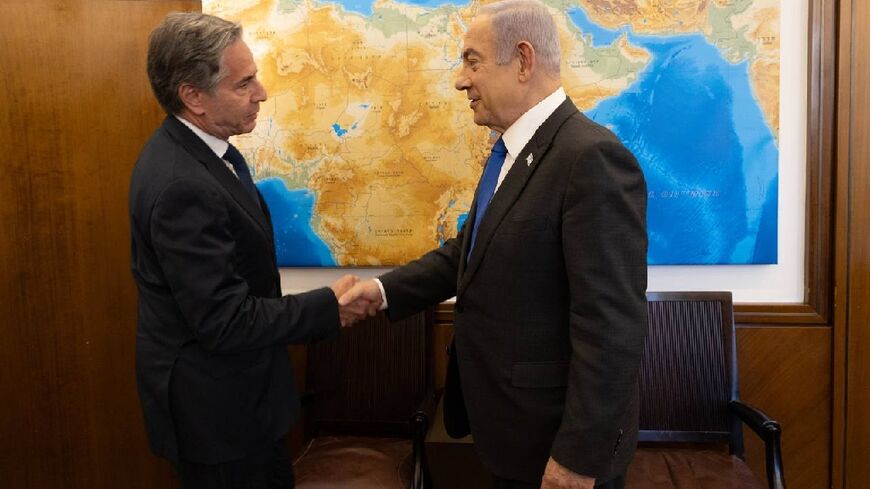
x=238 y=161
x=487 y=185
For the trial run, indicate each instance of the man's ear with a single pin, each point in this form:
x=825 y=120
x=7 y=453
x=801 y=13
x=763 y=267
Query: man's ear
x=526 y=55
x=191 y=97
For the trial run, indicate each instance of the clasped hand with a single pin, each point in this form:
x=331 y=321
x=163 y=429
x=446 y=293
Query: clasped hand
x=356 y=299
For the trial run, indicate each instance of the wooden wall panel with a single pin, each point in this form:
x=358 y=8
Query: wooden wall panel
x=75 y=108
x=853 y=255
x=786 y=372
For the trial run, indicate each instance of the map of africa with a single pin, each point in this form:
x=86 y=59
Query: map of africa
x=367 y=155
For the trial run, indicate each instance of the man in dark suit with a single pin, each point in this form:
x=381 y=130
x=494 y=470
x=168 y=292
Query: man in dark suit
x=214 y=376
x=549 y=272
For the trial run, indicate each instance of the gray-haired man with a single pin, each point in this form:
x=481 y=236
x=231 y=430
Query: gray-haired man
x=214 y=377
x=549 y=272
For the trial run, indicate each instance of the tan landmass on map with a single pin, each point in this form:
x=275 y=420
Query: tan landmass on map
x=590 y=75
x=648 y=16
x=384 y=189
x=761 y=25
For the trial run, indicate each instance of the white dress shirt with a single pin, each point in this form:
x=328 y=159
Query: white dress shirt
x=216 y=144
x=521 y=131
x=515 y=139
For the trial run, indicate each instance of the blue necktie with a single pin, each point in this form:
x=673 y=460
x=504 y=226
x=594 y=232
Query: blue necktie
x=238 y=161
x=487 y=185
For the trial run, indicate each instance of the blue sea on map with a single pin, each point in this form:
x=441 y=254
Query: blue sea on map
x=365 y=6
x=709 y=157
x=296 y=244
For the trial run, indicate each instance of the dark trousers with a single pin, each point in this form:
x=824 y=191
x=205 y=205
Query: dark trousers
x=499 y=483
x=269 y=468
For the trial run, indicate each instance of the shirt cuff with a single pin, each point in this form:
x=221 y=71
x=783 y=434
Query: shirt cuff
x=383 y=294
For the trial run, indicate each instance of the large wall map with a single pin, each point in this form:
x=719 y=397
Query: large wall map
x=368 y=156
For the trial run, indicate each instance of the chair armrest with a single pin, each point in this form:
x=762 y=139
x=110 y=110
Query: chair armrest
x=425 y=411
x=770 y=432
x=420 y=422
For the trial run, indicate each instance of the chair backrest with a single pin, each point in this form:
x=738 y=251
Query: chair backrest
x=689 y=372
x=371 y=378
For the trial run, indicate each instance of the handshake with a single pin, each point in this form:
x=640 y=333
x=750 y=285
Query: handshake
x=356 y=299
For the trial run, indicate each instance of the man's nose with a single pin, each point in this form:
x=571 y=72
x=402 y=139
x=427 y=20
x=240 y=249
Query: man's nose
x=461 y=82
x=260 y=95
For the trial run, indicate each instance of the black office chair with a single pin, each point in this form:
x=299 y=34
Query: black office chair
x=691 y=414
x=370 y=398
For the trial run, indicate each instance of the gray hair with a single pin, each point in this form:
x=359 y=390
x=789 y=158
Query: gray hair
x=187 y=47
x=524 y=20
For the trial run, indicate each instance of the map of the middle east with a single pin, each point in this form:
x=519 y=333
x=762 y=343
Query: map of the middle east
x=368 y=156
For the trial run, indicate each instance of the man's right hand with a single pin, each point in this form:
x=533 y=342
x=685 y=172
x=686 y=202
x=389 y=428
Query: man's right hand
x=347 y=315
x=363 y=298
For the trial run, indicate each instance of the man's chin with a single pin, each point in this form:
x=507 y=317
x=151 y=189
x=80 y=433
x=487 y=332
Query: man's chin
x=249 y=127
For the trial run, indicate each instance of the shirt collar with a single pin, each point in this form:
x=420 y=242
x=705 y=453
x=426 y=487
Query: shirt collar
x=218 y=145
x=521 y=131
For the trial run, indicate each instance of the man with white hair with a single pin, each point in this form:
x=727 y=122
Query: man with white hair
x=549 y=272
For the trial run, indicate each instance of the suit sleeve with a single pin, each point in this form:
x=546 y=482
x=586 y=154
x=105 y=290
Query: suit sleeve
x=190 y=233
x=424 y=282
x=605 y=243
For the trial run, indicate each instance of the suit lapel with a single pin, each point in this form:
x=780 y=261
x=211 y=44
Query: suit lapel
x=199 y=150
x=528 y=160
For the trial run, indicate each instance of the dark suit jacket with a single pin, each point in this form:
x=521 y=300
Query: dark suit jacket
x=550 y=314
x=213 y=371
